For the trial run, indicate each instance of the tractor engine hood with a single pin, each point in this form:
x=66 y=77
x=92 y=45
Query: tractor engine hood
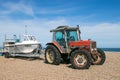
x=83 y=44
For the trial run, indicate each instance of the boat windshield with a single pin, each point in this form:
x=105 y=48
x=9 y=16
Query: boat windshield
x=29 y=38
x=32 y=38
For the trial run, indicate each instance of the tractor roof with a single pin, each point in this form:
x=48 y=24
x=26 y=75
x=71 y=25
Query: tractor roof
x=61 y=28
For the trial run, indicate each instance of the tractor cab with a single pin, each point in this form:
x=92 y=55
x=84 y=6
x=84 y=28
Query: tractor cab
x=63 y=35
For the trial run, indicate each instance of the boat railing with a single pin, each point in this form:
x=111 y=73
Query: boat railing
x=9 y=40
x=14 y=39
x=24 y=38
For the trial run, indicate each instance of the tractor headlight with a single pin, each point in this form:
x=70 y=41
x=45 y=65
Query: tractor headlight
x=93 y=47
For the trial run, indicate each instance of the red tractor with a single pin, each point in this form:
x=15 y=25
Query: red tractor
x=68 y=46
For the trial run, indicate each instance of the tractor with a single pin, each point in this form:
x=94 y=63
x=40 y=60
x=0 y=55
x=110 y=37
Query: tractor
x=68 y=46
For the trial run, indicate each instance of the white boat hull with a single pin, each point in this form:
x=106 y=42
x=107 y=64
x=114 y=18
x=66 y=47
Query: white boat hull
x=26 y=48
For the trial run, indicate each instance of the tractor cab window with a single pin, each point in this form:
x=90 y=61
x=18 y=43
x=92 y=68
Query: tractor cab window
x=60 y=38
x=72 y=35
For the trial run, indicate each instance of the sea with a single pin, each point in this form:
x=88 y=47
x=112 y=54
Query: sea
x=111 y=49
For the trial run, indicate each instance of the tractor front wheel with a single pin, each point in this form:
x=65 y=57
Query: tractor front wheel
x=80 y=59
x=99 y=58
x=52 y=55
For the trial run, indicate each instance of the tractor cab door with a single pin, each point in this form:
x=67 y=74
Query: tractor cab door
x=60 y=38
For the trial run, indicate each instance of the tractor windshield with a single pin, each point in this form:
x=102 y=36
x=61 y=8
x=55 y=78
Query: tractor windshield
x=72 y=35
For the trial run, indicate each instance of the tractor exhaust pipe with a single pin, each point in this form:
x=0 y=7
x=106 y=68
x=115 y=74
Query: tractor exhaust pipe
x=79 y=32
x=79 y=29
x=78 y=26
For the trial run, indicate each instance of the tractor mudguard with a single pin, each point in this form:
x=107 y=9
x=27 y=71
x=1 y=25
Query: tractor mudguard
x=56 y=45
x=79 y=48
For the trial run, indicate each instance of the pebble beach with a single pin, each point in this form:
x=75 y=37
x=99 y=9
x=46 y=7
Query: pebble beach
x=36 y=69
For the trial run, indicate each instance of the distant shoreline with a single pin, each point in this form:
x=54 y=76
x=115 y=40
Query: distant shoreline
x=107 y=52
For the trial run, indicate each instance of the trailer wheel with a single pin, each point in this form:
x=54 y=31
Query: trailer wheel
x=6 y=55
x=99 y=58
x=80 y=59
x=52 y=55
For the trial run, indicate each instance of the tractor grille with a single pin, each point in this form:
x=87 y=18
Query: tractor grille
x=93 y=48
x=93 y=45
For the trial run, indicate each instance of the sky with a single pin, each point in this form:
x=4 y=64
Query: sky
x=99 y=20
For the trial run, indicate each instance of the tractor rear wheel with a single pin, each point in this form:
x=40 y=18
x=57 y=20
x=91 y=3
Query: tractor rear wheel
x=52 y=55
x=80 y=59
x=98 y=58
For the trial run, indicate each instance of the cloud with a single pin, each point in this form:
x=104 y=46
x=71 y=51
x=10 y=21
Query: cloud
x=106 y=34
x=10 y=7
x=105 y=29
x=54 y=10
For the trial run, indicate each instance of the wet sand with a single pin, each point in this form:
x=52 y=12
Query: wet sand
x=27 y=69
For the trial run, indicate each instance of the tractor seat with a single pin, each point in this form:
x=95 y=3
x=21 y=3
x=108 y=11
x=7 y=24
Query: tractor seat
x=61 y=42
x=72 y=38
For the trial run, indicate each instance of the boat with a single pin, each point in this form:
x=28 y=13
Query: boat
x=27 y=46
